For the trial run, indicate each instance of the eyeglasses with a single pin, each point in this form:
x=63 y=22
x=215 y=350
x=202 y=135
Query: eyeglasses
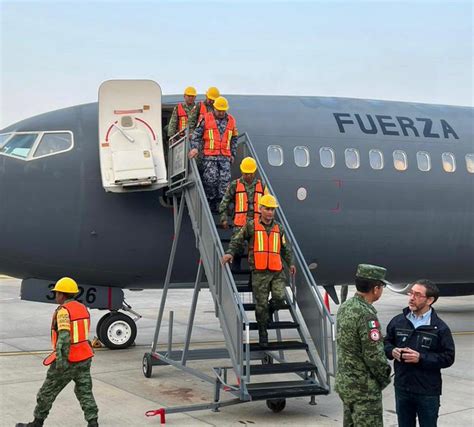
x=416 y=295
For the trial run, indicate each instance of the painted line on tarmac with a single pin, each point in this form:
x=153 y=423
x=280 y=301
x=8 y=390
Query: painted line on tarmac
x=463 y=333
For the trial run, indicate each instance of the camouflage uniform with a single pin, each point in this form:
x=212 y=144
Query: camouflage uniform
x=362 y=371
x=215 y=170
x=59 y=374
x=193 y=113
x=264 y=281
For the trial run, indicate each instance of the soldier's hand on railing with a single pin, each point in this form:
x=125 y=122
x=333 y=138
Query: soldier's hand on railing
x=225 y=224
x=292 y=270
x=227 y=258
x=193 y=153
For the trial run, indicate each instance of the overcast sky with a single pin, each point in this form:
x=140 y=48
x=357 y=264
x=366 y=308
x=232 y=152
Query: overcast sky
x=55 y=54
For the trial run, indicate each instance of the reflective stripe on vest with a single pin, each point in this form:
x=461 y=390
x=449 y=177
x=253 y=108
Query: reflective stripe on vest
x=241 y=202
x=214 y=144
x=182 y=117
x=266 y=248
x=79 y=333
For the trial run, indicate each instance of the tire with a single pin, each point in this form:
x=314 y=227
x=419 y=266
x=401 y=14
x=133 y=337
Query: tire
x=276 y=405
x=118 y=331
x=98 y=328
x=147 y=365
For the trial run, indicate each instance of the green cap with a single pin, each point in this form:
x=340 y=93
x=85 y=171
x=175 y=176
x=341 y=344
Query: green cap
x=373 y=272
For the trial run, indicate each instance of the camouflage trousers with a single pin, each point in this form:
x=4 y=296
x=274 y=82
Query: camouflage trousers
x=262 y=284
x=55 y=382
x=363 y=413
x=215 y=174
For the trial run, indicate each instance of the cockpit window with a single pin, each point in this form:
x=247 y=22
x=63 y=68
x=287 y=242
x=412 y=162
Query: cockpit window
x=19 y=145
x=4 y=138
x=33 y=145
x=53 y=143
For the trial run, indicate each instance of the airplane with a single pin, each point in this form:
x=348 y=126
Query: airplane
x=384 y=182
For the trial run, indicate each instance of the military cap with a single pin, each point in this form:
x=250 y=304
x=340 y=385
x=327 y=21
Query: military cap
x=372 y=272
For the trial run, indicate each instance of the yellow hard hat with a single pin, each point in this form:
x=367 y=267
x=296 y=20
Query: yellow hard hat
x=268 y=201
x=190 y=91
x=213 y=93
x=66 y=285
x=221 y=104
x=248 y=165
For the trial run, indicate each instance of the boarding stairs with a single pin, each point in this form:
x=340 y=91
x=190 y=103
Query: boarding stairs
x=306 y=360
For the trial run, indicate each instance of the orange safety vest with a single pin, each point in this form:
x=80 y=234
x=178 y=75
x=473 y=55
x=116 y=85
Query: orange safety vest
x=214 y=144
x=79 y=330
x=266 y=248
x=242 y=204
x=182 y=117
x=202 y=112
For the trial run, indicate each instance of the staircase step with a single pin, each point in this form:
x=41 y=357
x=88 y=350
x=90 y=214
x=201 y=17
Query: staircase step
x=240 y=272
x=244 y=288
x=278 y=345
x=281 y=368
x=251 y=307
x=282 y=390
x=275 y=325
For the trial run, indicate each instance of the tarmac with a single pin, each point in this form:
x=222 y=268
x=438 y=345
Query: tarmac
x=123 y=394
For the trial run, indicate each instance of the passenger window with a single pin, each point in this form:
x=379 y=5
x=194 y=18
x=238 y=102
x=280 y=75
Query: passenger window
x=4 y=138
x=275 y=155
x=400 y=161
x=327 y=157
x=449 y=162
x=352 y=158
x=376 y=159
x=53 y=143
x=423 y=160
x=470 y=163
x=301 y=156
x=19 y=145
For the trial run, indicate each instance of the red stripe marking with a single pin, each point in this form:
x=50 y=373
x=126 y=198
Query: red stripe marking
x=110 y=128
x=148 y=126
x=105 y=144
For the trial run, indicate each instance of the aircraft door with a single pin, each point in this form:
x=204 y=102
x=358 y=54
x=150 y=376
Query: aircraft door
x=130 y=136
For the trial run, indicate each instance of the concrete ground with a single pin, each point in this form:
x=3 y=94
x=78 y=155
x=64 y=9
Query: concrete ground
x=124 y=395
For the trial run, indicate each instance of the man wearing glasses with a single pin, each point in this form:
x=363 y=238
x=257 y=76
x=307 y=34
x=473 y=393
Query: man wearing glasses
x=421 y=344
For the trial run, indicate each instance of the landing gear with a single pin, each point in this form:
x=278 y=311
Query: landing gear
x=116 y=330
x=276 y=405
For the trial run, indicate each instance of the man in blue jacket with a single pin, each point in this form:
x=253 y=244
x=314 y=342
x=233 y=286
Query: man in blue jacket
x=421 y=344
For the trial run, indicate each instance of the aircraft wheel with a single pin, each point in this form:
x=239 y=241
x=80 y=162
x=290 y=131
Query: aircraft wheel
x=98 y=328
x=147 y=365
x=276 y=405
x=118 y=331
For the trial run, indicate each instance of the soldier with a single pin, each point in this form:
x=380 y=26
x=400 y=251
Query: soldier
x=207 y=106
x=362 y=370
x=71 y=357
x=184 y=114
x=244 y=193
x=216 y=139
x=267 y=247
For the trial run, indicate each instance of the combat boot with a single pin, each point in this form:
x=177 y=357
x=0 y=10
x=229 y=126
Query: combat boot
x=93 y=423
x=35 y=423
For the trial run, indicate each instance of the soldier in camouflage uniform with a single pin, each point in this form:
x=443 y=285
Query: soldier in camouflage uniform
x=267 y=248
x=362 y=370
x=191 y=110
x=70 y=327
x=216 y=140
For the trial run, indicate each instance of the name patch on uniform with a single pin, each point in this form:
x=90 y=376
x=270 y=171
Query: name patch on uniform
x=374 y=334
x=374 y=324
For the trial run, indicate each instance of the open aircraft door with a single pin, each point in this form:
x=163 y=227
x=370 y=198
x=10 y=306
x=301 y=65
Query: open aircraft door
x=130 y=136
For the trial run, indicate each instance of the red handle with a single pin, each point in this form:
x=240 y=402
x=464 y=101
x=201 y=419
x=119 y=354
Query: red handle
x=160 y=412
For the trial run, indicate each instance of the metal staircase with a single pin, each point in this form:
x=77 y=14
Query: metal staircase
x=306 y=360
